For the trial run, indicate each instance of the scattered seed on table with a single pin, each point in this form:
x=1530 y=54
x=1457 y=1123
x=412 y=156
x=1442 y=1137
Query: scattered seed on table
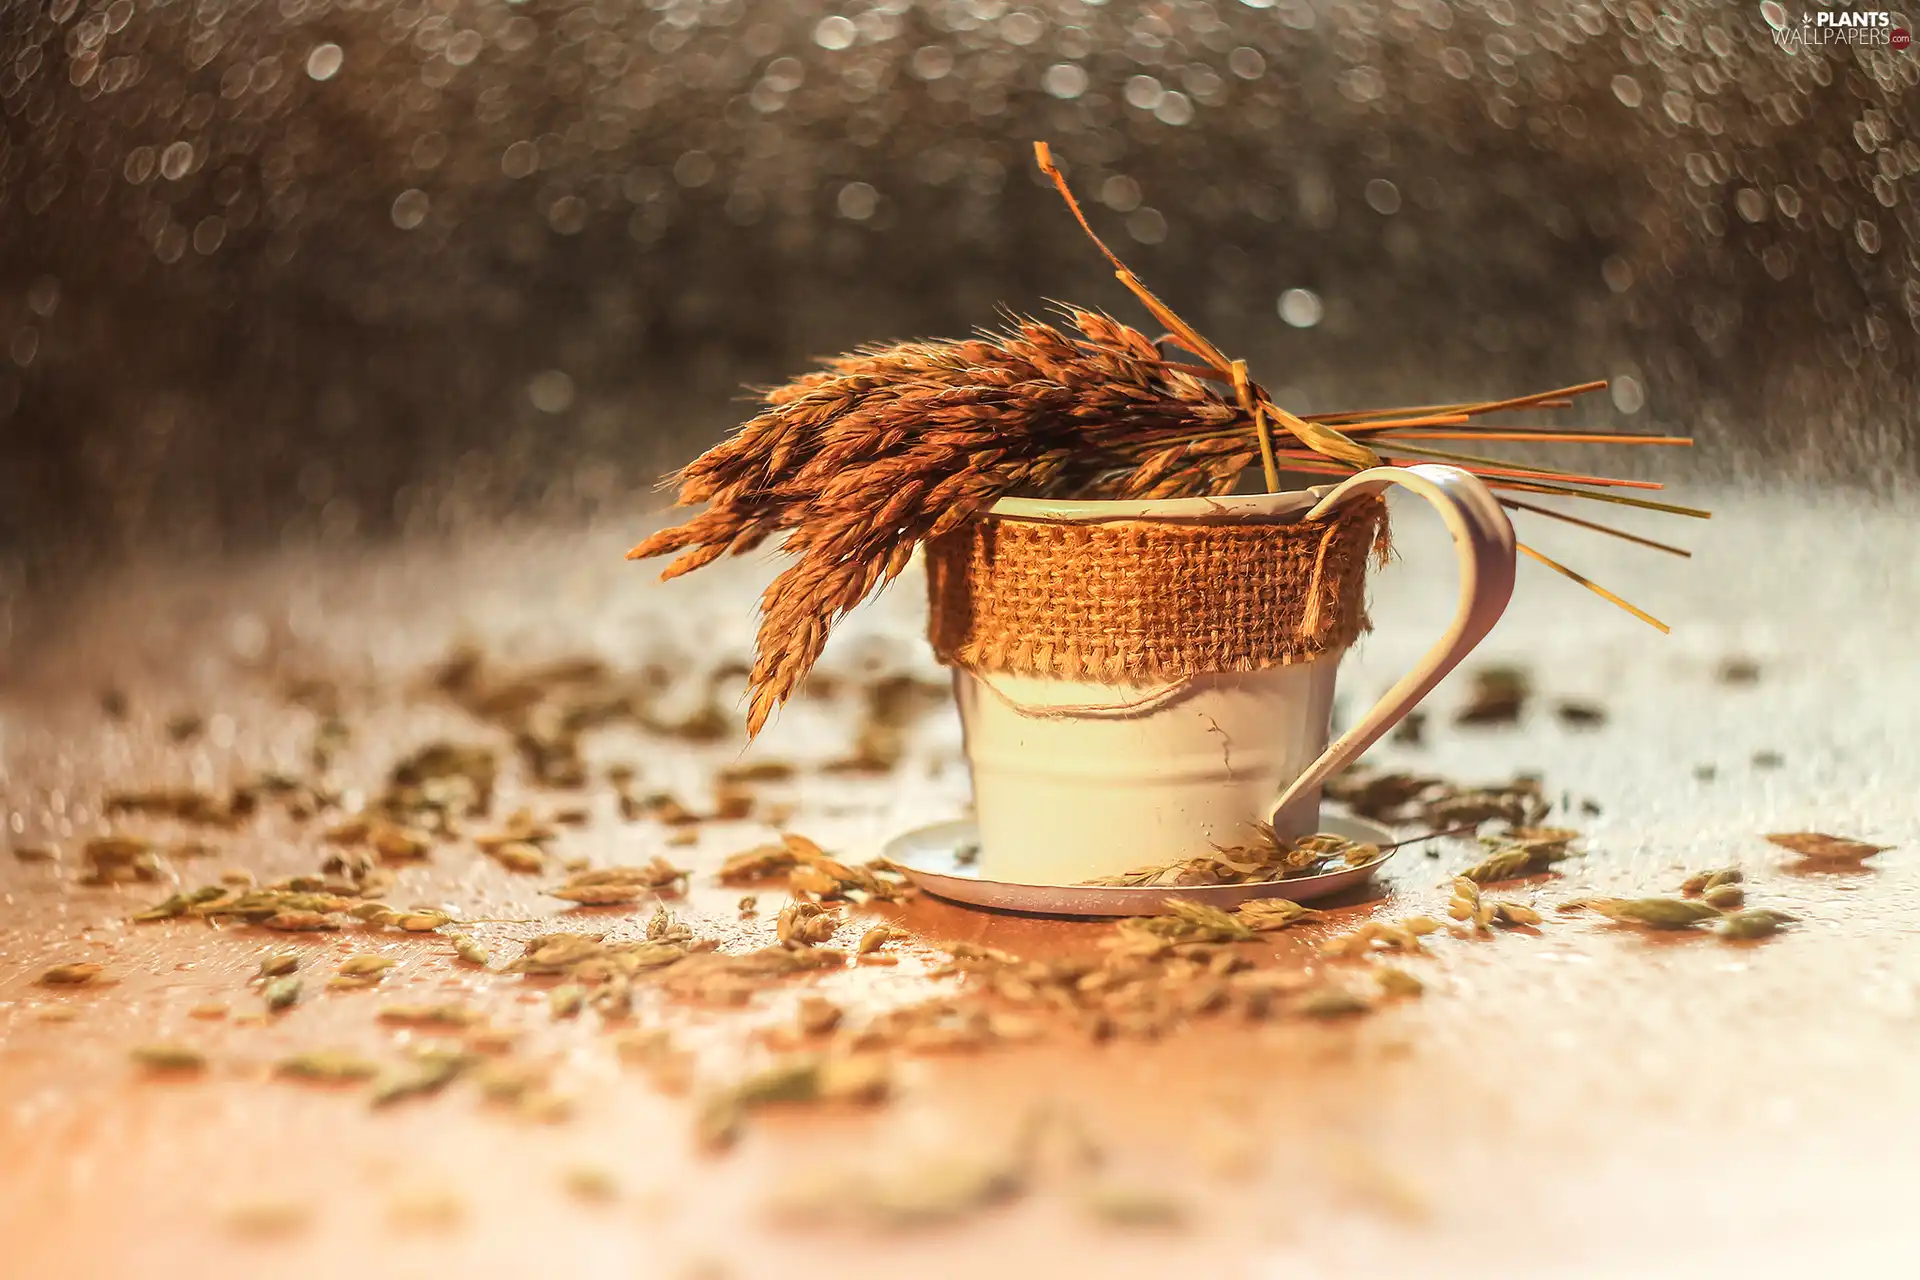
x=176 y=1059
x=426 y=1209
x=591 y=1183
x=429 y=1015
x=1332 y=1002
x=327 y=1066
x=1724 y=896
x=71 y=975
x=1752 y=923
x=1817 y=846
x=1395 y=981
x=1130 y=1206
x=279 y=963
x=269 y=1219
x=1701 y=881
x=1654 y=913
x=470 y=951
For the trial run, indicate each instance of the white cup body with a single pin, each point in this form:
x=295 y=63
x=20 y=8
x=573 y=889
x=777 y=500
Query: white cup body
x=1074 y=780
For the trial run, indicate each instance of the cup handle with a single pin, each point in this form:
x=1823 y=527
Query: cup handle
x=1483 y=544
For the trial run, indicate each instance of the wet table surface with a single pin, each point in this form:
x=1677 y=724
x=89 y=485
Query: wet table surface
x=1577 y=1099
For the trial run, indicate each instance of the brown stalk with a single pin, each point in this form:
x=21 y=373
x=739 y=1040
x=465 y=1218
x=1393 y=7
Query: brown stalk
x=1416 y=430
x=1563 y=394
x=1188 y=338
x=1316 y=437
x=1247 y=402
x=1486 y=469
x=1373 y=421
x=1430 y=420
x=856 y=464
x=1557 y=437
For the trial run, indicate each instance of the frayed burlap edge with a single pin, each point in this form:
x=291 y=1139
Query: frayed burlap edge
x=1145 y=601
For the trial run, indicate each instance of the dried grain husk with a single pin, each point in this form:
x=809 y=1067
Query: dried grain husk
x=77 y=974
x=1263 y=859
x=1652 y=913
x=169 y=1058
x=1752 y=923
x=1817 y=846
x=801 y=1078
x=326 y=1066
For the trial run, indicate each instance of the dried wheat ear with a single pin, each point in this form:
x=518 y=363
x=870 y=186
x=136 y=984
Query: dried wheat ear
x=890 y=445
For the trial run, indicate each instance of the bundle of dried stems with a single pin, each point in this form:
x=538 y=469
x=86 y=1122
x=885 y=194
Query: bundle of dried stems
x=894 y=444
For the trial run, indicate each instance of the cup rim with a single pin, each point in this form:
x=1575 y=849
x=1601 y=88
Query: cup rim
x=1285 y=506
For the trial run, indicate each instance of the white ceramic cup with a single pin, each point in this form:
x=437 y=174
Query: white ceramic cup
x=1074 y=780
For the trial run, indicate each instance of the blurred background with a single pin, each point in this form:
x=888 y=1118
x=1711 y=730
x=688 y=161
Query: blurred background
x=279 y=270
x=326 y=327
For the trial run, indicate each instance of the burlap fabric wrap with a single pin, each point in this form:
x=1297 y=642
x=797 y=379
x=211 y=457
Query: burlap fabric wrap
x=1148 y=601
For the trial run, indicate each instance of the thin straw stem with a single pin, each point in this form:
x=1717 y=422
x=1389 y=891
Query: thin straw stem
x=1489 y=428
x=1645 y=504
x=1514 y=504
x=1319 y=466
x=1161 y=311
x=1557 y=437
x=1597 y=589
x=1307 y=463
x=1467 y=406
x=1428 y=420
x=1497 y=466
x=1466 y=432
x=1353 y=417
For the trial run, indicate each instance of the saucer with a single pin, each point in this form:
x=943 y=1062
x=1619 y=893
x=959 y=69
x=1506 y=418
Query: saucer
x=936 y=858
